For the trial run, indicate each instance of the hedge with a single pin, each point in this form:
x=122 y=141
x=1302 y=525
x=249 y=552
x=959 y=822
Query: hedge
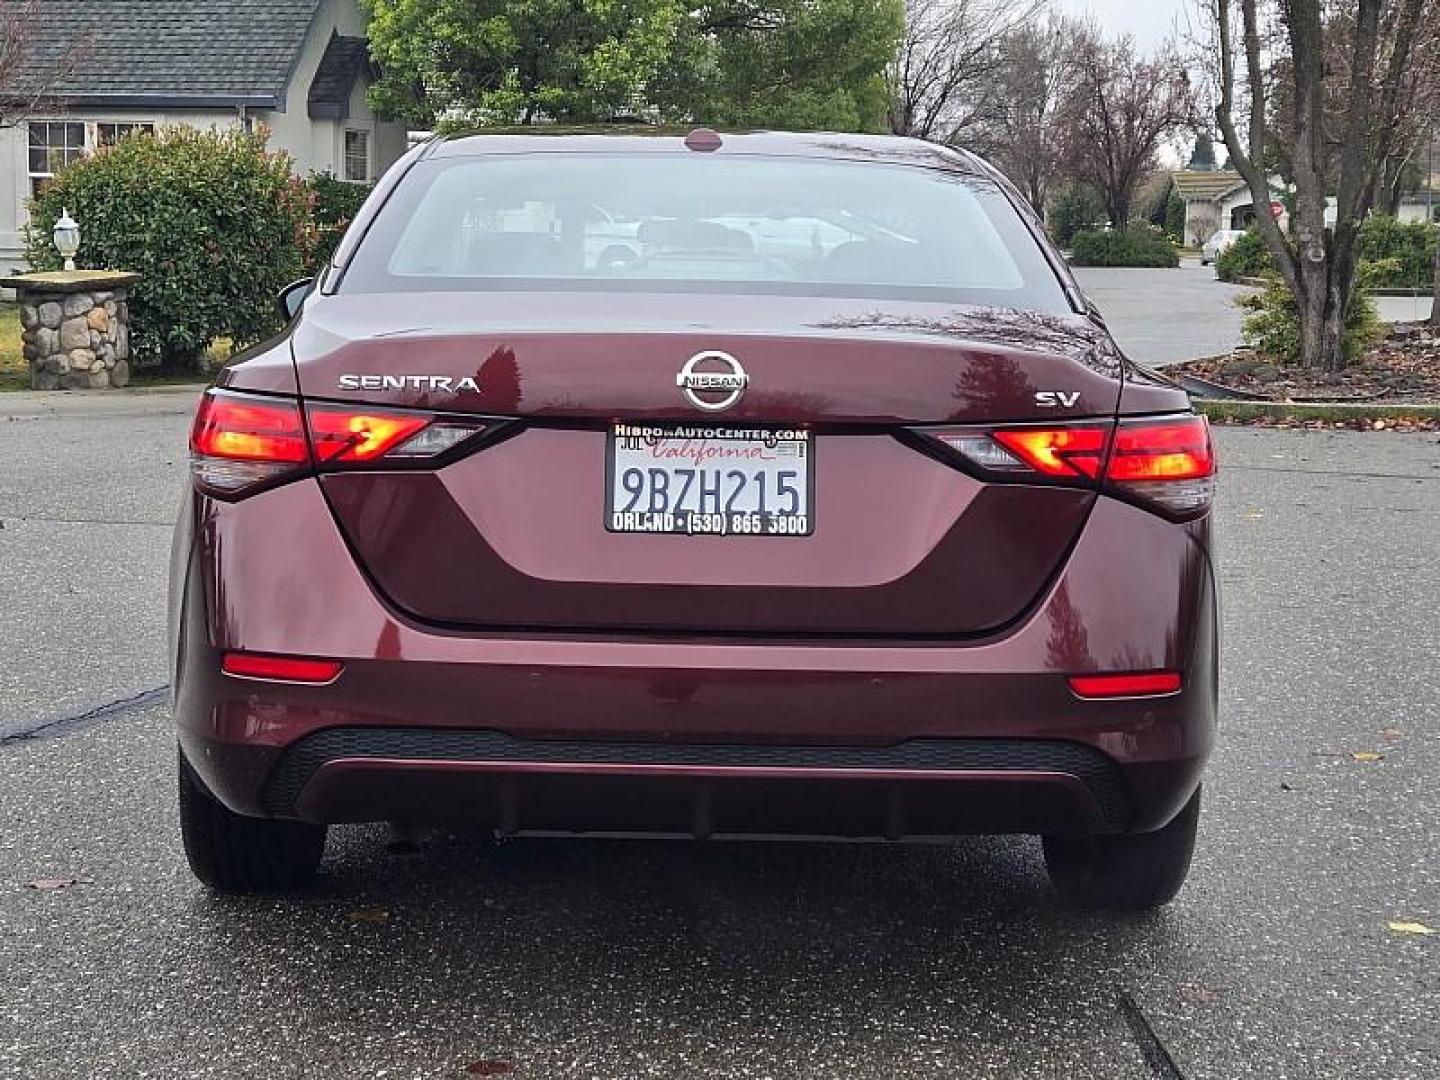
x=1403 y=252
x=1135 y=246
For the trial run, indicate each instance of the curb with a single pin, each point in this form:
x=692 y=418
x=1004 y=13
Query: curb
x=135 y=401
x=1232 y=409
x=1419 y=292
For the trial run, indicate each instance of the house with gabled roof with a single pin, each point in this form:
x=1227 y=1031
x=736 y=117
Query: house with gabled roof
x=300 y=67
x=1214 y=199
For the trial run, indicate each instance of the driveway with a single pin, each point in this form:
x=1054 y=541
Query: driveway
x=1165 y=316
x=595 y=960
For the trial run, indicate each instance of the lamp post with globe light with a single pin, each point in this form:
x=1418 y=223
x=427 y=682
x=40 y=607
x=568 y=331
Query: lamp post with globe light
x=67 y=239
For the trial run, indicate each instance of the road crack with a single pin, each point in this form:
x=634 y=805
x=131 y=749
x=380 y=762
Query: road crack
x=1162 y=1066
x=108 y=711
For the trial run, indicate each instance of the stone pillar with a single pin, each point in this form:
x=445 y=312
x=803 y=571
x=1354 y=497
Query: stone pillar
x=76 y=328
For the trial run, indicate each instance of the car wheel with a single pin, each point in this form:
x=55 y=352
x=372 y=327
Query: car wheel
x=1124 y=873
x=232 y=853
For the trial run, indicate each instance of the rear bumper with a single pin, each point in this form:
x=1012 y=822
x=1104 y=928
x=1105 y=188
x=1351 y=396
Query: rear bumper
x=916 y=788
x=693 y=736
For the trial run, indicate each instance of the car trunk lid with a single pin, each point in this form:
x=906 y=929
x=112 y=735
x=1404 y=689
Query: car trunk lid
x=516 y=534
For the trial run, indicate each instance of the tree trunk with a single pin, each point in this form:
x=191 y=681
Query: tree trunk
x=1435 y=303
x=1321 y=303
x=1117 y=205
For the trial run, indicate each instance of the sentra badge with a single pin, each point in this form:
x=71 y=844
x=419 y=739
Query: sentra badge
x=438 y=384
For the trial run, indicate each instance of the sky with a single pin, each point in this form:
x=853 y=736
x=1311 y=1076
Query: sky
x=1150 y=21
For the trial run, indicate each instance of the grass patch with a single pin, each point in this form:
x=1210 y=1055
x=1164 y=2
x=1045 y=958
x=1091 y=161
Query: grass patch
x=14 y=372
x=1329 y=412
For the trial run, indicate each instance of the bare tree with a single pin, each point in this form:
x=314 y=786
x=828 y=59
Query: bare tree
x=1435 y=301
x=1035 y=83
x=1123 y=106
x=943 y=82
x=1344 y=118
x=30 y=69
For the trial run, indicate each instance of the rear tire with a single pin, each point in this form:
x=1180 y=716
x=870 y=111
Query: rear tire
x=232 y=853
x=1124 y=873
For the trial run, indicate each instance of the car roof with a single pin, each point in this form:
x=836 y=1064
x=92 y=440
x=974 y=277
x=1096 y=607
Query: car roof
x=642 y=139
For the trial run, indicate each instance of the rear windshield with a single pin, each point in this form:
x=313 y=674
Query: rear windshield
x=651 y=222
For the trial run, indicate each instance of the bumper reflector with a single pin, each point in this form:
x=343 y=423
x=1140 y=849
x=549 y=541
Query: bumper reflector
x=295 y=669
x=1135 y=684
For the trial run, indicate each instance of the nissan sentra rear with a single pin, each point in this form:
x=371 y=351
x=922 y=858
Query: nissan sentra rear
x=714 y=486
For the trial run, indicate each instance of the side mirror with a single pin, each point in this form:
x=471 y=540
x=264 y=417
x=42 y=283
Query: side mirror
x=292 y=297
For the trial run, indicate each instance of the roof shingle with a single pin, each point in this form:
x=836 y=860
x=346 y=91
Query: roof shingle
x=195 y=52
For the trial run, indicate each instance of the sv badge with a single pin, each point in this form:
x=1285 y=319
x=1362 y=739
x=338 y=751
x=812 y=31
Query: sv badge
x=1052 y=399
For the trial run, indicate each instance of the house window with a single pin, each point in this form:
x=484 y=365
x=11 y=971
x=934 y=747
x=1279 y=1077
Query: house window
x=357 y=156
x=53 y=144
x=56 y=143
x=110 y=134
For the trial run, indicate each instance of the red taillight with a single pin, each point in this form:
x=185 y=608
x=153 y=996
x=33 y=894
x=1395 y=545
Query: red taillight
x=1167 y=462
x=1133 y=684
x=243 y=442
x=345 y=434
x=239 y=442
x=1162 y=450
x=296 y=669
x=1062 y=451
x=248 y=429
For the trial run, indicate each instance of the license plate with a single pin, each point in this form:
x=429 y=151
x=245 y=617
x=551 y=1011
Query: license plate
x=709 y=480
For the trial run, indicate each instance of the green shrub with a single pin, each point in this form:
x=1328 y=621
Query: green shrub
x=1135 y=246
x=215 y=224
x=1175 y=216
x=1378 y=273
x=333 y=205
x=1405 y=248
x=1248 y=257
x=1073 y=208
x=1272 y=324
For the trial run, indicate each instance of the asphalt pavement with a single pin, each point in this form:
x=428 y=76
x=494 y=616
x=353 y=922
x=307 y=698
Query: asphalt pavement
x=1162 y=317
x=543 y=959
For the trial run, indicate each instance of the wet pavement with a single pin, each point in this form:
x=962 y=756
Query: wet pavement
x=461 y=957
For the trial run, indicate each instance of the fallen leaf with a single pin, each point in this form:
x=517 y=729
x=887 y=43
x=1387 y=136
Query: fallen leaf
x=1254 y=514
x=1391 y=733
x=56 y=884
x=1366 y=755
x=489 y=1068
x=1412 y=928
x=1202 y=995
x=369 y=915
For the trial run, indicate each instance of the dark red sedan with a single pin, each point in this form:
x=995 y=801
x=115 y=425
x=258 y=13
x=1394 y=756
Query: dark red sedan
x=708 y=485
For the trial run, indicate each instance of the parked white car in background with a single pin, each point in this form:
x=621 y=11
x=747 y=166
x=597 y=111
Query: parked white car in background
x=1218 y=243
